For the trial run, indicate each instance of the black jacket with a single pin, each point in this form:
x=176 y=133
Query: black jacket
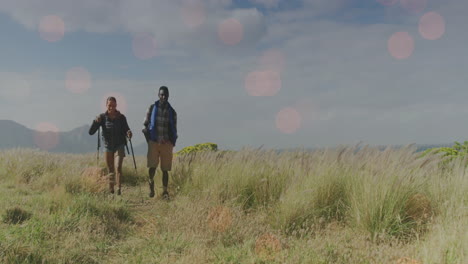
x=114 y=131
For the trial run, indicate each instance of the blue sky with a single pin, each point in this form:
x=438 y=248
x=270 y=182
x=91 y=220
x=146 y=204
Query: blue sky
x=333 y=74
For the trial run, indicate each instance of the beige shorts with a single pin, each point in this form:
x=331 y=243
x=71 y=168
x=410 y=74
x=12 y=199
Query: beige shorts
x=156 y=152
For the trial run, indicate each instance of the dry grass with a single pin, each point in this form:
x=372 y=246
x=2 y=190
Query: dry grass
x=344 y=205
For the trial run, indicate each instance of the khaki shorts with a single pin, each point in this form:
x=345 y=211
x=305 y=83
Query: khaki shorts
x=157 y=151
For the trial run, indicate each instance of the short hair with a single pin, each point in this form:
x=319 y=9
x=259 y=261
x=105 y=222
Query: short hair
x=111 y=98
x=165 y=89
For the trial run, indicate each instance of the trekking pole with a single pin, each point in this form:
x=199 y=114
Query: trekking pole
x=134 y=163
x=98 y=146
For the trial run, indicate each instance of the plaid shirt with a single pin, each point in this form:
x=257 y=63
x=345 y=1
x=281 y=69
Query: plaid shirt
x=162 y=122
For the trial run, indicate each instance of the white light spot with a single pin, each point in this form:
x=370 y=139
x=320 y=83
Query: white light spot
x=52 y=28
x=401 y=45
x=288 y=120
x=230 y=31
x=432 y=26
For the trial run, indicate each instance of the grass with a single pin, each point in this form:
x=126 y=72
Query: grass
x=344 y=205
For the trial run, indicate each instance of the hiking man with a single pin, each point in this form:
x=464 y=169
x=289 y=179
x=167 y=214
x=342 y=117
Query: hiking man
x=160 y=130
x=114 y=130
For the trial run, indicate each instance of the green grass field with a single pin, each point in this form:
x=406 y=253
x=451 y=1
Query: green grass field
x=252 y=206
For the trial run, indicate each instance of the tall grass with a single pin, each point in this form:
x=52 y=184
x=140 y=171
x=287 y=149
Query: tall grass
x=344 y=205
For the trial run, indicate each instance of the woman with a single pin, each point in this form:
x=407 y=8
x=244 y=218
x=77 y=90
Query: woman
x=114 y=130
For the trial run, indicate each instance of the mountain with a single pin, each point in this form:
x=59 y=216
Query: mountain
x=14 y=135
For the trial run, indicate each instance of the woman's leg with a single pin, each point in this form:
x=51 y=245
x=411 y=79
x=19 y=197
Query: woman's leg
x=118 y=177
x=111 y=168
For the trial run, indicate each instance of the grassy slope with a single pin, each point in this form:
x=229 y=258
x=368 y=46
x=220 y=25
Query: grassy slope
x=251 y=206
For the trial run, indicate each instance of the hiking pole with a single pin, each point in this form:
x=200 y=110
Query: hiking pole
x=98 y=146
x=134 y=163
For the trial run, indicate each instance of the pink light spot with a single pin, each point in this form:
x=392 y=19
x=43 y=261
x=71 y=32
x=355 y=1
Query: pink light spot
x=288 y=120
x=46 y=136
x=193 y=13
x=262 y=83
x=144 y=46
x=230 y=31
x=121 y=102
x=401 y=45
x=51 y=28
x=414 y=6
x=78 y=80
x=387 y=2
x=432 y=26
x=272 y=59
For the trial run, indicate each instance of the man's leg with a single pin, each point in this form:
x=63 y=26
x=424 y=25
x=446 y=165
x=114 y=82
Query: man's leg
x=166 y=166
x=151 y=172
x=152 y=163
x=165 y=181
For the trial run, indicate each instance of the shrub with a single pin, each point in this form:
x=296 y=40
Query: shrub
x=198 y=148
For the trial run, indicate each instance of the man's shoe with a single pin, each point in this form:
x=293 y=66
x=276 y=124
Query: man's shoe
x=119 y=192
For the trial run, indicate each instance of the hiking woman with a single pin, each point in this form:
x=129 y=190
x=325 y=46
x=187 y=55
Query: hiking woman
x=115 y=129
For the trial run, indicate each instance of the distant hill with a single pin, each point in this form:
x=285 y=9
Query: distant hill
x=14 y=135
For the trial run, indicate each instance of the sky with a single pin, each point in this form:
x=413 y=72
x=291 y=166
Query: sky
x=243 y=73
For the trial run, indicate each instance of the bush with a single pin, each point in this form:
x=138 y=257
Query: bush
x=198 y=148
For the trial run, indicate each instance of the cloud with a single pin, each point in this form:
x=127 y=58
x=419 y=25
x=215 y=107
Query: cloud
x=266 y=3
x=163 y=19
x=354 y=89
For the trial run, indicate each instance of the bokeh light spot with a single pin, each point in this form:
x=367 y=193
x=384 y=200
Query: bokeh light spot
x=46 y=135
x=387 y=2
x=122 y=105
x=288 y=120
x=432 y=26
x=401 y=45
x=230 y=31
x=220 y=218
x=263 y=83
x=272 y=59
x=78 y=80
x=193 y=13
x=267 y=246
x=51 y=28
x=144 y=46
x=414 y=6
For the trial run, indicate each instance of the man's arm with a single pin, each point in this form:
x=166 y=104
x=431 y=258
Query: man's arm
x=146 y=122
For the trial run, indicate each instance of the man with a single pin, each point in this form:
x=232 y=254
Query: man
x=160 y=129
x=115 y=130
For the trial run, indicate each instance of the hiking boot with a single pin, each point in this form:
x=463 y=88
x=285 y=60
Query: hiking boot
x=111 y=188
x=119 y=192
x=165 y=195
x=151 y=185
